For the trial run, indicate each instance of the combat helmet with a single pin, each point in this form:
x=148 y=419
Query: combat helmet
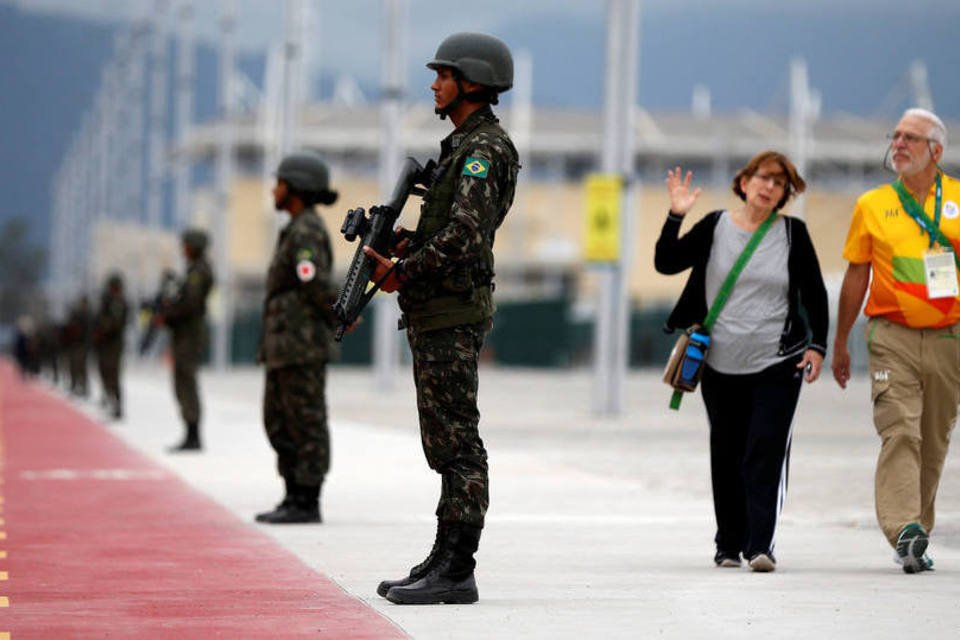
x=196 y=239
x=478 y=57
x=307 y=174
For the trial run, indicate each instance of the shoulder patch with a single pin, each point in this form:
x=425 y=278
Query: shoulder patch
x=304 y=254
x=306 y=270
x=476 y=168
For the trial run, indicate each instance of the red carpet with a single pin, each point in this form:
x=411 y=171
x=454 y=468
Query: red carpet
x=102 y=543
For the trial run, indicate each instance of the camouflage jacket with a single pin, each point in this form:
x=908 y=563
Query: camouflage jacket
x=450 y=262
x=298 y=310
x=110 y=322
x=76 y=331
x=186 y=312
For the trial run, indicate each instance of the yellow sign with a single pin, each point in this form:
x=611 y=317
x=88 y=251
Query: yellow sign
x=602 y=237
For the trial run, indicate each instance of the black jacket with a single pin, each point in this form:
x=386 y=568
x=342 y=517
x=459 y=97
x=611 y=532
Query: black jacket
x=807 y=317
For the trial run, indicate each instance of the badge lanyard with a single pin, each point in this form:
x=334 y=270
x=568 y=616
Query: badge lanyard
x=940 y=270
x=913 y=208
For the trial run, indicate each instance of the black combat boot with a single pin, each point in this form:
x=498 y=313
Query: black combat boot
x=267 y=516
x=450 y=580
x=421 y=569
x=191 y=442
x=303 y=508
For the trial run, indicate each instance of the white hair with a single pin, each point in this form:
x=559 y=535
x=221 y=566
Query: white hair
x=938 y=130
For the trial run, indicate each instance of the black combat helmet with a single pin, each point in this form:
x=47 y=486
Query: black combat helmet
x=195 y=239
x=478 y=57
x=307 y=174
x=115 y=279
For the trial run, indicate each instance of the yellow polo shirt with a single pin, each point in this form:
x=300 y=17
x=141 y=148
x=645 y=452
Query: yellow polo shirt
x=887 y=237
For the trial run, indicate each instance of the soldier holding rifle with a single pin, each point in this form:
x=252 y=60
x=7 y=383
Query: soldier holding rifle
x=444 y=277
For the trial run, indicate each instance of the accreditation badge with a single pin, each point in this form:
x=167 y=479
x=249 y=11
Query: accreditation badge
x=941 y=271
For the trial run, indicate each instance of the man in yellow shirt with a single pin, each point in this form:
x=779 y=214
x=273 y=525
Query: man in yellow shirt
x=907 y=234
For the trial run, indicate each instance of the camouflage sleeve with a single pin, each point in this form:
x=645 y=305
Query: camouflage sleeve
x=190 y=300
x=475 y=213
x=312 y=263
x=113 y=318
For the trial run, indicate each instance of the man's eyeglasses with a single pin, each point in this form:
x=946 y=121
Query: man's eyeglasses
x=909 y=138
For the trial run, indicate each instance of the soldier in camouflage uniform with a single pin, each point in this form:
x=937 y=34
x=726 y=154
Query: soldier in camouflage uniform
x=76 y=340
x=108 y=333
x=185 y=315
x=296 y=343
x=445 y=281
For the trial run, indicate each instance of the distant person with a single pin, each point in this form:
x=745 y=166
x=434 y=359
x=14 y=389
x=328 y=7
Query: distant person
x=186 y=315
x=48 y=347
x=108 y=338
x=445 y=282
x=295 y=346
x=26 y=347
x=907 y=235
x=761 y=346
x=77 y=346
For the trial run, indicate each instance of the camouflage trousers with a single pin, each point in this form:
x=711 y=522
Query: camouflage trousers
x=108 y=363
x=185 y=389
x=445 y=373
x=77 y=361
x=295 y=418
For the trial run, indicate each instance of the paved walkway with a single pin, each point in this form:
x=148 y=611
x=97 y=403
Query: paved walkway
x=597 y=527
x=103 y=543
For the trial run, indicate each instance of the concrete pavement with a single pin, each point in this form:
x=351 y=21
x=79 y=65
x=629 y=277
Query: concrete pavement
x=597 y=527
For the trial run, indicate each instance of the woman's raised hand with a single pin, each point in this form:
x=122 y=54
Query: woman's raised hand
x=681 y=198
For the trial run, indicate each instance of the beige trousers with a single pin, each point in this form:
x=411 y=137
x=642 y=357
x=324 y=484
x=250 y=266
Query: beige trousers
x=915 y=387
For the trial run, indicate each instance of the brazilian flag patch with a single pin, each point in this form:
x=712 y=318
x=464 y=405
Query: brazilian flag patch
x=476 y=168
x=304 y=254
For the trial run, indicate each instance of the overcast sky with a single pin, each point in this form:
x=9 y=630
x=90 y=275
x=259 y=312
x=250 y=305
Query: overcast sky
x=347 y=32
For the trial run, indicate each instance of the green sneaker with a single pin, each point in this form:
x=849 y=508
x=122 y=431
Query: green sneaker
x=911 y=547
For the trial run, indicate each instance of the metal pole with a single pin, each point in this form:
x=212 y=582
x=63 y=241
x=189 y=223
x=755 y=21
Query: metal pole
x=221 y=233
x=158 y=114
x=184 y=114
x=105 y=133
x=628 y=110
x=920 y=86
x=393 y=59
x=56 y=260
x=120 y=126
x=800 y=117
x=132 y=159
x=271 y=127
x=521 y=123
x=611 y=336
x=292 y=74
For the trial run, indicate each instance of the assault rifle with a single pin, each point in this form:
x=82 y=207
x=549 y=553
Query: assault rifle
x=376 y=231
x=150 y=308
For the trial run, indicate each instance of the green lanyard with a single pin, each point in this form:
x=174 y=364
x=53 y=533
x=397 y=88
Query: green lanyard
x=913 y=208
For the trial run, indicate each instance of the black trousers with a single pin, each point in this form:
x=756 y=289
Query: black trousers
x=751 y=418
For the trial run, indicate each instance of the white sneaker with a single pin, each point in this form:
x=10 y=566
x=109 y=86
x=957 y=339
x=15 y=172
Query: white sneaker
x=763 y=563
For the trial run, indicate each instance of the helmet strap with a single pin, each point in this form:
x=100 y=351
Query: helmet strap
x=444 y=111
x=482 y=95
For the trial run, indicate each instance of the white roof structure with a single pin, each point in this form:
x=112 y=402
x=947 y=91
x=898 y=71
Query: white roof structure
x=565 y=143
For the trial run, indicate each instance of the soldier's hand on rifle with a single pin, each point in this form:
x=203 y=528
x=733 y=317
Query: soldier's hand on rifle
x=353 y=325
x=386 y=273
x=402 y=237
